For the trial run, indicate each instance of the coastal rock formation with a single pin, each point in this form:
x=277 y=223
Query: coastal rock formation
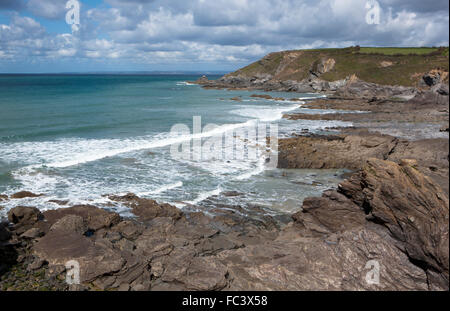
x=411 y=206
x=321 y=152
x=347 y=71
x=24 y=194
x=385 y=228
x=24 y=218
x=147 y=209
x=397 y=223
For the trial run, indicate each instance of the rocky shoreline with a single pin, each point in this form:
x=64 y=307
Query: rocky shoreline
x=393 y=210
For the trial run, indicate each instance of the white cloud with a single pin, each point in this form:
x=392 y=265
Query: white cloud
x=51 y=9
x=219 y=32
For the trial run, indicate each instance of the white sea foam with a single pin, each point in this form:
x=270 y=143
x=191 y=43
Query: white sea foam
x=42 y=160
x=258 y=170
x=162 y=189
x=93 y=150
x=265 y=113
x=204 y=195
x=312 y=97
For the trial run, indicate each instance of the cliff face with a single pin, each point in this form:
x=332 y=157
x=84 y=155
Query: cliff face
x=332 y=69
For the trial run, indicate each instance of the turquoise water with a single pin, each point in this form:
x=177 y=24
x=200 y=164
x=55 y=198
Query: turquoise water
x=81 y=137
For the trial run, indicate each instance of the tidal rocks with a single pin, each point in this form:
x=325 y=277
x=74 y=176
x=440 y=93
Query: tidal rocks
x=147 y=209
x=266 y=96
x=3 y=197
x=386 y=214
x=70 y=223
x=25 y=194
x=411 y=206
x=333 y=262
x=405 y=211
x=161 y=250
x=341 y=151
x=5 y=234
x=237 y=98
x=24 y=217
x=32 y=233
x=95 y=218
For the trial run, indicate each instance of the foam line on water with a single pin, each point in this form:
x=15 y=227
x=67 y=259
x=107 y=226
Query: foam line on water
x=265 y=113
x=204 y=195
x=163 y=189
x=142 y=144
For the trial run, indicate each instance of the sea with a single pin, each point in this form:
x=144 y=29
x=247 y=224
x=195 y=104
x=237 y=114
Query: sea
x=80 y=138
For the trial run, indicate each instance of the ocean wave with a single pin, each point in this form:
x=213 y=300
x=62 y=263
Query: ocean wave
x=265 y=113
x=204 y=195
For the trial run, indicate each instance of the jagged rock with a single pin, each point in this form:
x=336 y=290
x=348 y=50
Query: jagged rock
x=3 y=197
x=202 y=79
x=25 y=194
x=431 y=156
x=147 y=209
x=70 y=223
x=322 y=66
x=331 y=213
x=32 y=233
x=344 y=151
x=95 y=218
x=129 y=229
x=124 y=288
x=5 y=234
x=24 y=217
x=336 y=262
x=433 y=77
x=95 y=260
x=411 y=206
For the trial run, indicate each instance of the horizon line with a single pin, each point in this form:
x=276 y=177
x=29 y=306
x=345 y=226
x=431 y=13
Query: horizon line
x=156 y=72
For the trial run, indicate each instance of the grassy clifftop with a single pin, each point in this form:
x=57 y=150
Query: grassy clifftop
x=388 y=66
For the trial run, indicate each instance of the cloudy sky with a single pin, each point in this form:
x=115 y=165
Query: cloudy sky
x=201 y=35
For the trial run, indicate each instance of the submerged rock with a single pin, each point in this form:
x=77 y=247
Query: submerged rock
x=25 y=194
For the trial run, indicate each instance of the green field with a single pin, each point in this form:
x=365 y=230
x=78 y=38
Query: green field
x=405 y=65
x=396 y=51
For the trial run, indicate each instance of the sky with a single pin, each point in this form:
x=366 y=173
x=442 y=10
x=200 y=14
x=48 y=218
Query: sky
x=202 y=35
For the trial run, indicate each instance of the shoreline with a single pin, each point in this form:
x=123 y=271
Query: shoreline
x=167 y=249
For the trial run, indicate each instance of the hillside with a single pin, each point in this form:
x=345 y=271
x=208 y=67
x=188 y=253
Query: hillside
x=385 y=66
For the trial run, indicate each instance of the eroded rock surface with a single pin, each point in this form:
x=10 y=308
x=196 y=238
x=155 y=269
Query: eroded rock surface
x=387 y=215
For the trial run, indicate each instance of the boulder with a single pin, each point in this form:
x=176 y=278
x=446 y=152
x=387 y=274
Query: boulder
x=24 y=218
x=94 y=217
x=70 y=223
